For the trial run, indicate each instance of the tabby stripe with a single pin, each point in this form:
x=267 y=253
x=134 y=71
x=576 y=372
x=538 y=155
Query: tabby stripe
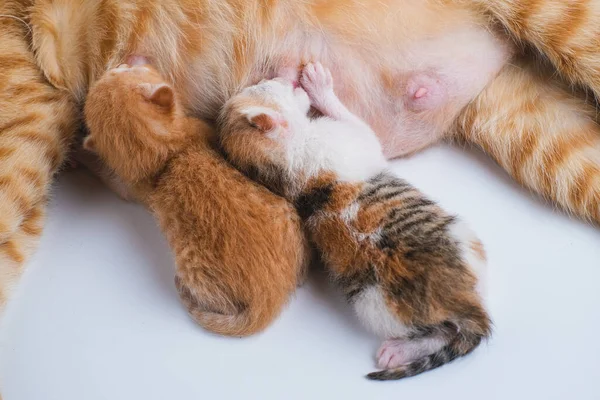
x=582 y=186
x=408 y=225
x=35 y=137
x=34 y=176
x=440 y=227
x=21 y=121
x=14 y=191
x=6 y=152
x=394 y=193
x=11 y=250
x=523 y=153
x=407 y=210
x=404 y=215
x=32 y=226
x=374 y=194
x=556 y=155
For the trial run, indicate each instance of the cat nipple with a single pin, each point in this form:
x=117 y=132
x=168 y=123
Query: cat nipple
x=421 y=92
x=425 y=92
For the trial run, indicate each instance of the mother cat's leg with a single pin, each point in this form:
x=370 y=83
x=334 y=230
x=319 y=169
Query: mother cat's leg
x=36 y=123
x=546 y=138
x=566 y=31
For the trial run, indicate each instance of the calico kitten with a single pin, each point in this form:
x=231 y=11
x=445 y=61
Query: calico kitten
x=544 y=136
x=239 y=250
x=410 y=270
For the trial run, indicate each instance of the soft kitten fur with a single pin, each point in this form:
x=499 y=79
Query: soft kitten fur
x=536 y=129
x=410 y=270
x=239 y=249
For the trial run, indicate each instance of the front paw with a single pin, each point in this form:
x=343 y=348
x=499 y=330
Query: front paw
x=317 y=81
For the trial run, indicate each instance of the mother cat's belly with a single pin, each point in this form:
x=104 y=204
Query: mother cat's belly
x=379 y=83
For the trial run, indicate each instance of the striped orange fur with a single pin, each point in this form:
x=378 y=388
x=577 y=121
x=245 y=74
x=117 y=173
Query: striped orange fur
x=567 y=32
x=36 y=123
x=17 y=249
x=210 y=49
x=546 y=138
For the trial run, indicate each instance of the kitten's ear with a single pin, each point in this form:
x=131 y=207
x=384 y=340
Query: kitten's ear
x=263 y=118
x=160 y=94
x=89 y=144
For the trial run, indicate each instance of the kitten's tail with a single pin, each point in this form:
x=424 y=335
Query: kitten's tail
x=230 y=319
x=245 y=323
x=466 y=338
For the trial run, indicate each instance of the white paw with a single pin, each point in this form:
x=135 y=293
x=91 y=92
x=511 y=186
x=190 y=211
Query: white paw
x=316 y=80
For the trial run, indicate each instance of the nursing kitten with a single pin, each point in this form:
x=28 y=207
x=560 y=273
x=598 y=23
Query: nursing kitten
x=546 y=138
x=374 y=50
x=240 y=250
x=411 y=271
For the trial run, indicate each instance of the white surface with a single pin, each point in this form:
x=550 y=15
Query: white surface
x=97 y=316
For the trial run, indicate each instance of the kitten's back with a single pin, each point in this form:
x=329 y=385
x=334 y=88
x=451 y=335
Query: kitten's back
x=240 y=249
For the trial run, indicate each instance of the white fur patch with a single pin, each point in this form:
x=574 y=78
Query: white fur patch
x=373 y=312
x=467 y=240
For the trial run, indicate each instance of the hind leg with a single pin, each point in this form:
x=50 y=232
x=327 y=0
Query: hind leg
x=396 y=352
x=567 y=32
x=15 y=251
x=36 y=125
x=545 y=137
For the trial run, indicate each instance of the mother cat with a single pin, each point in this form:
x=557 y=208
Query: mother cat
x=416 y=70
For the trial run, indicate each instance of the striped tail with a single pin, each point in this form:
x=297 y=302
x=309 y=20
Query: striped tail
x=462 y=345
x=36 y=123
x=238 y=320
x=565 y=31
x=461 y=338
x=546 y=138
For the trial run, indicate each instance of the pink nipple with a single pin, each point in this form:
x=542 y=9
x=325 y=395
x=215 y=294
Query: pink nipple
x=420 y=93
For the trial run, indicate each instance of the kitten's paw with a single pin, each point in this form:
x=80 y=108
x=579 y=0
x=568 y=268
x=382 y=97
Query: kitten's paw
x=316 y=80
x=394 y=353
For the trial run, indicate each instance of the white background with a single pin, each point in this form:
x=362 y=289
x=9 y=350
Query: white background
x=97 y=316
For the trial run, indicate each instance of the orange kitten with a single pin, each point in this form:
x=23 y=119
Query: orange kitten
x=239 y=249
x=211 y=49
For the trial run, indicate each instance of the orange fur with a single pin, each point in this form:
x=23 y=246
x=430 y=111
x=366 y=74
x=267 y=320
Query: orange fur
x=36 y=124
x=547 y=139
x=566 y=32
x=239 y=249
x=211 y=49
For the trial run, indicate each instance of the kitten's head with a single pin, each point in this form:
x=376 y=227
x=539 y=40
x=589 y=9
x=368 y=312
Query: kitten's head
x=134 y=121
x=263 y=131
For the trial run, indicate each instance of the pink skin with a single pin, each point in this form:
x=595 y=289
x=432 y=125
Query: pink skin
x=394 y=353
x=136 y=59
x=390 y=355
x=425 y=92
x=318 y=84
x=290 y=74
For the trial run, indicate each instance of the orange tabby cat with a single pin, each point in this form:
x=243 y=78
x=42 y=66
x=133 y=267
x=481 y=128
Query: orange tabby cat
x=239 y=249
x=379 y=52
x=37 y=122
